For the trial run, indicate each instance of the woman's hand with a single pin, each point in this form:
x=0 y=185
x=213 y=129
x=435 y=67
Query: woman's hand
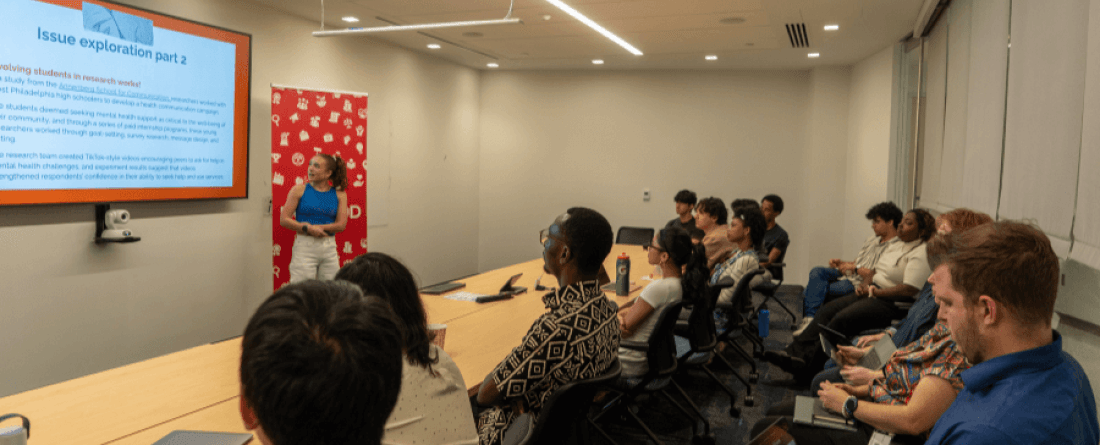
x=833 y=396
x=866 y=274
x=859 y=375
x=863 y=289
x=315 y=231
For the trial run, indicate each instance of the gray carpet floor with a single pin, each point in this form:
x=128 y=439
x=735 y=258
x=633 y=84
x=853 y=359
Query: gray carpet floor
x=672 y=427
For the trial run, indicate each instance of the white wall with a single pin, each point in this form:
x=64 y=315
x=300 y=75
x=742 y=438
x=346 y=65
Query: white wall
x=552 y=140
x=202 y=267
x=869 y=110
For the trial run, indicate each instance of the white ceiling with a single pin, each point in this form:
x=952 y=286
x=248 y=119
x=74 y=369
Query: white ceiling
x=673 y=34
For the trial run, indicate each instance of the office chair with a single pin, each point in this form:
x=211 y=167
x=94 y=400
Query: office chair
x=740 y=325
x=638 y=236
x=564 y=416
x=769 y=288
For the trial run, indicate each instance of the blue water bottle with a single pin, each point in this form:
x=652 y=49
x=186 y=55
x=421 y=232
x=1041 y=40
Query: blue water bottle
x=622 y=275
x=763 y=322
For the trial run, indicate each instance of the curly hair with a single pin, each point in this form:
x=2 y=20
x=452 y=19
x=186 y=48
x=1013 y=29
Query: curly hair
x=339 y=170
x=963 y=218
x=737 y=204
x=686 y=197
x=926 y=223
x=886 y=211
x=753 y=219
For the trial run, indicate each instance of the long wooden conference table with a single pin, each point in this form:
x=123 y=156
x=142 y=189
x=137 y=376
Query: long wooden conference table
x=198 y=388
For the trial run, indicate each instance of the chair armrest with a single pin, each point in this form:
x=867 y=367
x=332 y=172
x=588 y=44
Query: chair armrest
x=634 y=345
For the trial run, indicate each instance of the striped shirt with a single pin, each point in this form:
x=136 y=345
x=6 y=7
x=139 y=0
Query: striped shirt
x=868 y=256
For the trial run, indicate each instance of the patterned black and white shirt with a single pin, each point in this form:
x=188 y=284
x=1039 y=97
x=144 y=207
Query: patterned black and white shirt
x=578 y=338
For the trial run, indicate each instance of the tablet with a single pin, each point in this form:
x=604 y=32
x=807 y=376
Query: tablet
x=442 y=288
x=181 y=437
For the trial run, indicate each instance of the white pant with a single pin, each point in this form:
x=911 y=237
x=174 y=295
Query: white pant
x=313 y=258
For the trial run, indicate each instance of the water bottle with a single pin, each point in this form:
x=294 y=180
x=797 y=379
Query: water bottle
x=622 y=275
x=15 y=435
x=762 y=323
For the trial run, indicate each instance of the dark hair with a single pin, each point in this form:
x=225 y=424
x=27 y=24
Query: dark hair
x=1011 y=262
x=339 y=169
x=886 y=211
x=677 y=243
x=740 y=203
x=697 y=233
x=589 y=237
x=321 y=363
x=926 y=223
x=754 y=220
x=686 y=196
x=382 y=275
x=964 y=219
x=777 y=202
x=714 y=207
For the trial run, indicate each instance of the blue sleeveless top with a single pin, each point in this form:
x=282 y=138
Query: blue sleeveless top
x=317 y=208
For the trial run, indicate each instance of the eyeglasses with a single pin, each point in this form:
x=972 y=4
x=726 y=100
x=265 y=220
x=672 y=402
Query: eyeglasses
x=651 y=246
x=545 y=235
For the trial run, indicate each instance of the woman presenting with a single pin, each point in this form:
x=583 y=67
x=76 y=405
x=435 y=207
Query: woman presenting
x=317 y=210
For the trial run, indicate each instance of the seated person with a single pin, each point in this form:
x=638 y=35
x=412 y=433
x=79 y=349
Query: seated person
x=841 y=277
x=921 y=317
x=997 y=285
x=710 y=215
x=685 y=202
x=433 y=405
x=906 y=398
x=555 y=351
x=673 y=252
x=320 y=363
x=901 y=268
x=775 y=239
x=746 y=232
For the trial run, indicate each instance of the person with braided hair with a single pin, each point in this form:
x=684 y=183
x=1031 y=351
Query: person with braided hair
x=317 y=210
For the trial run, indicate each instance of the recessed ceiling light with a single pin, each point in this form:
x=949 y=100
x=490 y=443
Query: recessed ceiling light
x=434 y=46
x=546 y=17
x=813 y=55
x=832 y=27
x=597 y=61
x=732 y=21
x=350 y=19
x=712 y=57
x=492 y=65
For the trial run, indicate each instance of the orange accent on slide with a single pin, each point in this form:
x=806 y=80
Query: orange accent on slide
x=239 y=189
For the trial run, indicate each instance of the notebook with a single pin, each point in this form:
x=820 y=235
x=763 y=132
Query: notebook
x=810 y=411
x=180 y=437
x=442 y=288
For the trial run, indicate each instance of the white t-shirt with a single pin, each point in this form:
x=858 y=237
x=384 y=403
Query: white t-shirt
x=658 y=294
x=903 y=263
x=432 y=409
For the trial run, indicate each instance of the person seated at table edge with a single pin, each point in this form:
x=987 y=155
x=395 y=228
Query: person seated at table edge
x=710 y=216
x=577 y=338
x=684 y=273
x=842 y=277
x=685 y=202
x=433 y=406
x=997 y=285
x=320 y=363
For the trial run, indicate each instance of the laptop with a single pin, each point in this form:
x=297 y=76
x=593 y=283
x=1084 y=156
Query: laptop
x=774 y=434
x=810 y=411
x=181 y=437
x=875 y=359
x=442 y=288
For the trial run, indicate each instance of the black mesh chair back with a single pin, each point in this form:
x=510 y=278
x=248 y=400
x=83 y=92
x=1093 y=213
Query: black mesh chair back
x=637 y=236
x=661 y=354
x=564 y=416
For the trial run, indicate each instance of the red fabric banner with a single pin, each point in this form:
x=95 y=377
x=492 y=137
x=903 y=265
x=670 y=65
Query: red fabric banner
x=304 y=123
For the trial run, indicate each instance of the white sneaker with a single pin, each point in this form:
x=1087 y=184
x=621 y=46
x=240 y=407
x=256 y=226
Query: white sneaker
x=802 y=326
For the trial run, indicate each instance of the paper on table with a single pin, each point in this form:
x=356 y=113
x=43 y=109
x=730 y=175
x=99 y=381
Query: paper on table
x=463 y=296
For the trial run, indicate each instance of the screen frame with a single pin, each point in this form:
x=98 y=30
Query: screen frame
x=242 y=120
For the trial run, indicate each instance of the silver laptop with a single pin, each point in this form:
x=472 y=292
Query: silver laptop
x=810 y=411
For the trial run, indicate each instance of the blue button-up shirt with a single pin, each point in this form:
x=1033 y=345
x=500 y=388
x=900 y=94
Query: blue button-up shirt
x=1037 y=396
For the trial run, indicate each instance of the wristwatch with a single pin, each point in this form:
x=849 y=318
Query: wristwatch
x=305 y=228
x=850 y=406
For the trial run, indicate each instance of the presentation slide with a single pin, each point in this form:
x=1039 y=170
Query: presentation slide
x=95 y=98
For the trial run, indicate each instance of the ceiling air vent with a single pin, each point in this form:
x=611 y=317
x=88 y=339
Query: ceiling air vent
x=797 y=33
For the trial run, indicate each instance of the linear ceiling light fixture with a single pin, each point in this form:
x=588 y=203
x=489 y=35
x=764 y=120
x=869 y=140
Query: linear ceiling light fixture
x=507 y=20
x=587 y=21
